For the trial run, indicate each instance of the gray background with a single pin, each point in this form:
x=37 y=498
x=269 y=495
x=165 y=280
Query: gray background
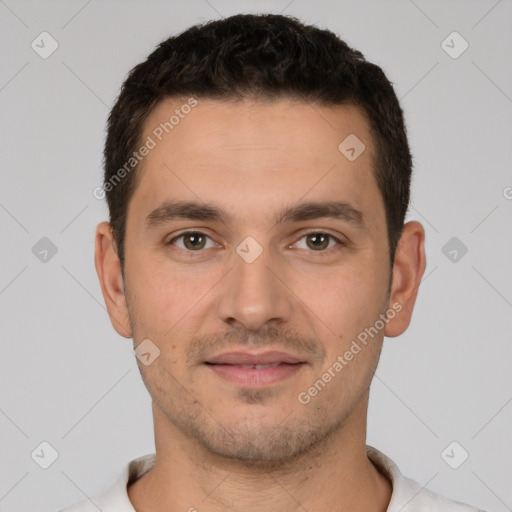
x=67 y=378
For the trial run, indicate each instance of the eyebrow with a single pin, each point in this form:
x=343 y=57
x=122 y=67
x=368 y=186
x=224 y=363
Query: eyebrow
x=173 y=210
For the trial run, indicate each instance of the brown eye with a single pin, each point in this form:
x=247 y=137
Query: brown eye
x=194 y=241
x=318 y=241
x=191 y=241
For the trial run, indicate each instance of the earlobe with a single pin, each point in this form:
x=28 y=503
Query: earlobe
x=108 y=268
x=408 y=268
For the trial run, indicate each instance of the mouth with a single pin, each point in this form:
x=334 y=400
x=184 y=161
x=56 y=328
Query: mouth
x=255 y=370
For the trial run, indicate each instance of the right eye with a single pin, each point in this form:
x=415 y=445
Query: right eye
x=192 y=241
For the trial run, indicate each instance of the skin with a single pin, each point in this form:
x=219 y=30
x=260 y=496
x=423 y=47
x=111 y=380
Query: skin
x=222 y=446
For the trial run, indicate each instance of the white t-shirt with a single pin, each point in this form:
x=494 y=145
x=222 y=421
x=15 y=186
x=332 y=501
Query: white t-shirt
x=407 y=495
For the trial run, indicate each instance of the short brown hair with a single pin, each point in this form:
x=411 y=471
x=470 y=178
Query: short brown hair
x=264 y=56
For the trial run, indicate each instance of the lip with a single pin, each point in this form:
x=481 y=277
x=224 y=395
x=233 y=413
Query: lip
x=246 y=358
x=243 y=368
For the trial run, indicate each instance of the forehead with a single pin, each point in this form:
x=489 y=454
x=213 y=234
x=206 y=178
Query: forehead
x=303 y=127
x=250 y=154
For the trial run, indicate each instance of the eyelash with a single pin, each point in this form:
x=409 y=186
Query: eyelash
x=320 y=252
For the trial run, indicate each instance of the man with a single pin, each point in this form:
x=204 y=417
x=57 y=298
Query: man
x=257 y=173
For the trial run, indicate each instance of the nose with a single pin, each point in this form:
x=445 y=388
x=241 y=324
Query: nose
x=253 y=295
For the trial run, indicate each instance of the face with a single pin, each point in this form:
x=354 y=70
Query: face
x=256 y=261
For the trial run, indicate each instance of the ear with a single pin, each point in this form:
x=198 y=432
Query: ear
x=408 y=269
x=108 y=268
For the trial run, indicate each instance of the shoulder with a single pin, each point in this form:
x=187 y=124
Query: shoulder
x=408 y=495
x=82 y=506
x=115 y=497
x=426 y=500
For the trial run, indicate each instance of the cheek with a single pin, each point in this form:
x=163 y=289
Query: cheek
x=349 y=297
x=162 y=294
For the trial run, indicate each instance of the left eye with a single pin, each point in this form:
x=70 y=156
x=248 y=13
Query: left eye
x=319 y=241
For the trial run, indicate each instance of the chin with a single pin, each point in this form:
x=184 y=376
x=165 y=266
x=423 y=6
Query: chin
x=261 y=445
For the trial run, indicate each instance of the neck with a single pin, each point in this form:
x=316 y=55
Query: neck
x=335 y=475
